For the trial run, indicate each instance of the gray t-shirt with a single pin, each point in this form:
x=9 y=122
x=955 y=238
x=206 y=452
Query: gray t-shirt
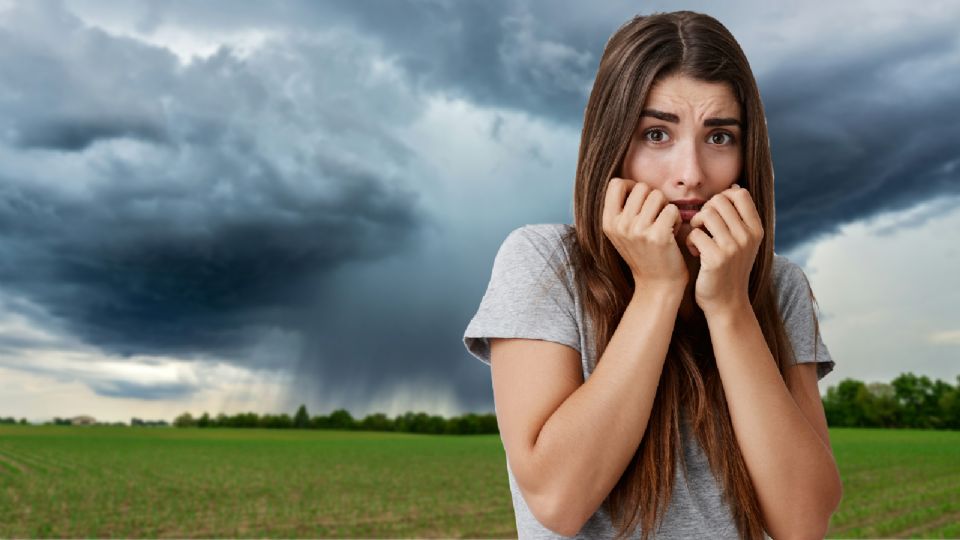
x=526 y=298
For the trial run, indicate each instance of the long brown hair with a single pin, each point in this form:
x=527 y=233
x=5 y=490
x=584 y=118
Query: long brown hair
x=640 y=53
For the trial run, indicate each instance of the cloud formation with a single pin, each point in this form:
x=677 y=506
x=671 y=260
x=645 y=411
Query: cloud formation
x=160 y=208
x=321 y=187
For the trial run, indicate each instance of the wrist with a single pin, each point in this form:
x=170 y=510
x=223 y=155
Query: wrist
x=729 y=311
x=663 y=293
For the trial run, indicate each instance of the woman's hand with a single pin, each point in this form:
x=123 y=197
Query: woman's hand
x=727 y=258
x=640 y=223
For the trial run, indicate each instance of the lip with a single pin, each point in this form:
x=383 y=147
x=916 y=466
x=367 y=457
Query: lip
x=687 y=215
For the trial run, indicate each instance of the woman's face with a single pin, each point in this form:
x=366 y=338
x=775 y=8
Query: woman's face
x=688 y=141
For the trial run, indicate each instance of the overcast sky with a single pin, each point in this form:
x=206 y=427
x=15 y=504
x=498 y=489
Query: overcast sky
x=231 y=206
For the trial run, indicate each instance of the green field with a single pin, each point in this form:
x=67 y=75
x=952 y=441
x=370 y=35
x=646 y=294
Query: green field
x=897 y=483
x=156 y=482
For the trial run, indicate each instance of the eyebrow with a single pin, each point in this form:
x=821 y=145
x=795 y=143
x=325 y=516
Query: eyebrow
x=709 y=122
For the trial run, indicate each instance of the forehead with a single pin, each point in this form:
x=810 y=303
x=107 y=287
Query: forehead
x=683 y=96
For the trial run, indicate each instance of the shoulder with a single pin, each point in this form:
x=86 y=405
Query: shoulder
x=795 y=296
x=540 y=235
x=537 y=254
x=537 y=243
x=788 y=277
x=784 y=268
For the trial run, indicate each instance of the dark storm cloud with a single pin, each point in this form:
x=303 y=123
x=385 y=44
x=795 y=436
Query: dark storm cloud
x=170 y=209
x=829 y=111
x=493 y=53
x=863 y=132
x=78 y=134
x=526 y=56
x=52 y=99
x=135 y=390
x=853 y=134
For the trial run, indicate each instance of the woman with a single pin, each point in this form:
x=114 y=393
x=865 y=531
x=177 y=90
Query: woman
x=655 y=367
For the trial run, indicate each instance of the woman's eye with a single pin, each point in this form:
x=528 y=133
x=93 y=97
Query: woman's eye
x=721 y=137
x=656 y=135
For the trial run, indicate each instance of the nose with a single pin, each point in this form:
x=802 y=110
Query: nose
x=688 y=166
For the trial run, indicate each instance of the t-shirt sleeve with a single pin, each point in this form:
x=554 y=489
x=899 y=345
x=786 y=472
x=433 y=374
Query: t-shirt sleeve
x=800 y=319
x=528 y=295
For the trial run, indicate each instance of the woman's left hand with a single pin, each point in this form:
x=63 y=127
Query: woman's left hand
x=727 y=258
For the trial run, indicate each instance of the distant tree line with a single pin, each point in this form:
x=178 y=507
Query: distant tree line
x=409 y=422
x=907 y=402
x=148 y=423
x=57 y=421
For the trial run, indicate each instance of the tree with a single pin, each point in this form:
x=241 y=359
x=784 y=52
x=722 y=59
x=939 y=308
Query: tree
x=845 y=405
x=882 y=410
x=301 y=420
x=184 y=420
x=320 y=422
x=950 y=406
x=341 y=419
x=917 y=399
x=376 y=422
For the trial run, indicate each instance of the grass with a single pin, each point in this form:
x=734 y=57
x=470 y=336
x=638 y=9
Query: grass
x=153 y=482
x=897 y=483
x=142 y=482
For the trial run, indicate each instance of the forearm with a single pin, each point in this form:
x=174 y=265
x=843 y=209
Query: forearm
x=793 y=472
x=587 y=443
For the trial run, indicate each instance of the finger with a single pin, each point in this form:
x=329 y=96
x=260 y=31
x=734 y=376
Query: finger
x=709 y=218
x=654 y=202
x=698 y=241
x=743 y=201
x=638 y=192
x=731 y=216
x=669 y=218
x=613 y=201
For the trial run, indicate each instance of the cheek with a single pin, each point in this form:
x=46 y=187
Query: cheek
x=723 y=169
x=647 y=168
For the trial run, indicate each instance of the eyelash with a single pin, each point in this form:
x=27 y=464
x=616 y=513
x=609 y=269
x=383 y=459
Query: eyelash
x=732 y=139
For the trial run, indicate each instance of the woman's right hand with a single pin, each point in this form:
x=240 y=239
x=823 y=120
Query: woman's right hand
x=640 y=223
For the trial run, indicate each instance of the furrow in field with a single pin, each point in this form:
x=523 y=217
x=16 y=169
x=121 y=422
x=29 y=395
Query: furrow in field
x=918 y=517
x=306 y=526
x=57 y=459
x=23 y=456
x=913 y=532
x=892 y=496
x=15 y=466
x=894 y=509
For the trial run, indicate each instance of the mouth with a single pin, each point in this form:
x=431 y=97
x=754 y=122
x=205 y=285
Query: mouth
x=687 y=211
